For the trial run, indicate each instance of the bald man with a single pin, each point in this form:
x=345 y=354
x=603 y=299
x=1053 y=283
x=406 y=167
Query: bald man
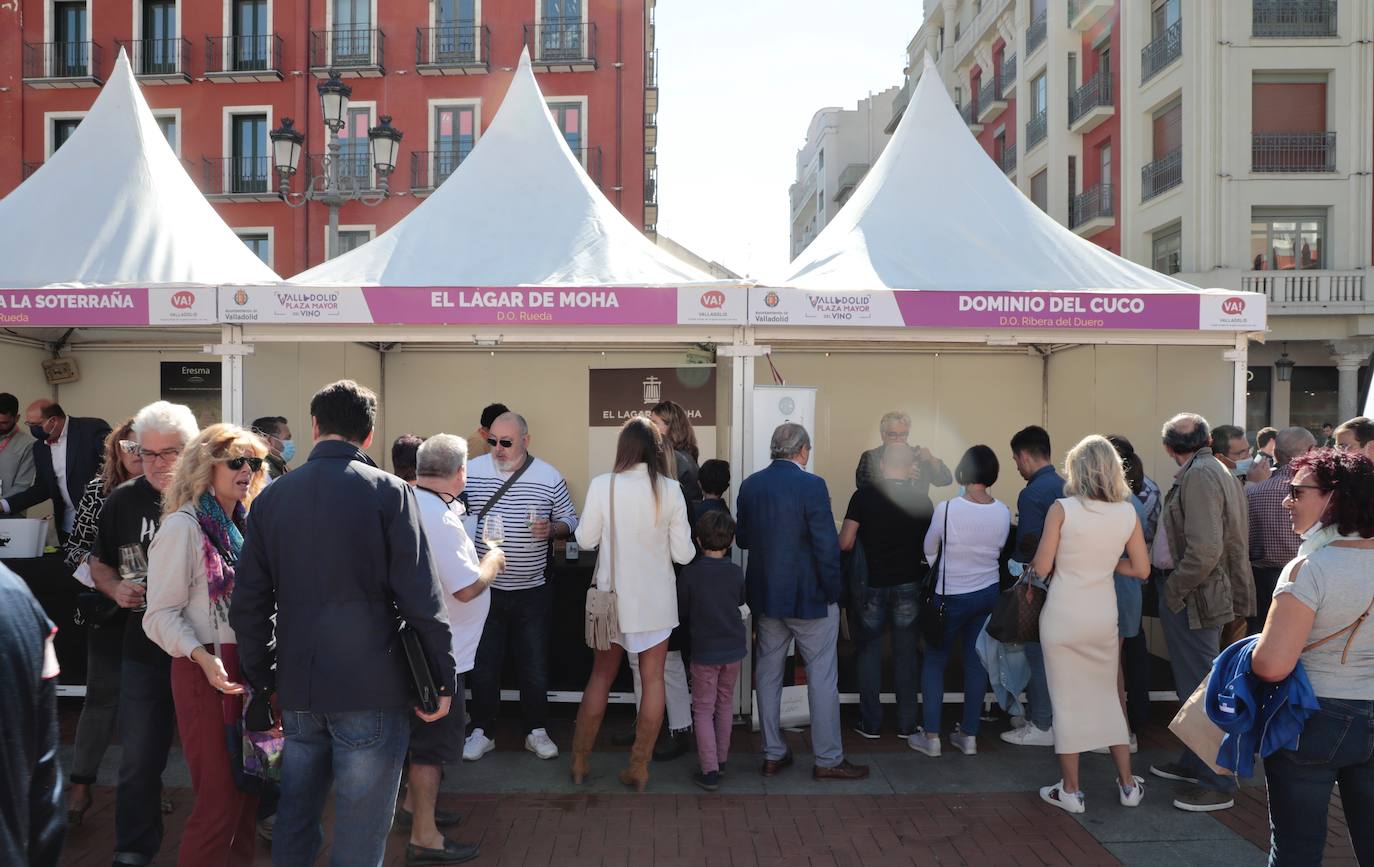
x=67 y=455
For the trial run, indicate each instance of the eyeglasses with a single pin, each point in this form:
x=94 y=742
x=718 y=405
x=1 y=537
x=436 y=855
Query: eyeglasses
x=128 y=447
x=896 y=434
x=238 y=463
x=1294 y=491
x=503 y=443
x=166 y=455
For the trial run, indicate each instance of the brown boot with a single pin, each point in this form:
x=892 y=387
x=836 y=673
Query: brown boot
x=584 y=738
x=646 y=733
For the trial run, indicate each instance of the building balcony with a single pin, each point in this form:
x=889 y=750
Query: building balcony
x=429 y=169
x=59 y=65
x=1008 y=161
x=650 y=133
x=353 y=52
x=899 y=104
x=238 y=179
x=1036 y=33
x=1311 y=291
x=160 y=61
x=969 y=112
x=1008 y=77
x=1091 y=211
x=1091 y=104
x=355 y=168
x=243 y=58
x=1084 y=15
x=1161 y=175
x=651 y=187
x=1163 y=51
x=1293 y=152
x=849 y=180
x=1293 y=19
x=562 y=45
x=453 y=49
x=651 y=82
x=801 y=194
x=1036 y=129
x=990 y=101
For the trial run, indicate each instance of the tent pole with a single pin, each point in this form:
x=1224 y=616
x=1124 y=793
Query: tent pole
x=1044 y=386
x=231 y=352
x=1240 y=359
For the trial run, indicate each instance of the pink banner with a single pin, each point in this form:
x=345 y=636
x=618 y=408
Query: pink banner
x=1076 y=310
x=73 y=307
x=522 y=306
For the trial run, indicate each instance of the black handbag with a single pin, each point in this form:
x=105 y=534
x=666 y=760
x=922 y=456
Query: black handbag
x=930 y=611
x=1016 y=616
x=421 y=677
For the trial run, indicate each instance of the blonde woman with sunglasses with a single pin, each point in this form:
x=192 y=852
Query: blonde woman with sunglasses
x=190 y=584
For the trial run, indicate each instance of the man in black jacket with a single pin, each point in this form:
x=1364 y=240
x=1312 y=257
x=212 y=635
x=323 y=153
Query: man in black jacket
x=67 y=455
x=335 y=553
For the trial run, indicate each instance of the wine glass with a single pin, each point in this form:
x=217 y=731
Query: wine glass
x=494 y=531
x=133 y=566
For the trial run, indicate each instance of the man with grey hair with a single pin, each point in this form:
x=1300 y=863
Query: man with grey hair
x=793 y=587
x=1200 y=550
x=441 y=476
x=128 y=522
x=927 y=471
x=1273 y=544
x=531 y=501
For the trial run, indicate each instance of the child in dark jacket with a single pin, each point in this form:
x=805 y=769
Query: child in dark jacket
x=710 y=592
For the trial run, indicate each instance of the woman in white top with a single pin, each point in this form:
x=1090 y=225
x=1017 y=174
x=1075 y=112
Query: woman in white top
x=190 y=583
x=970 y=530
x=637 y=517
x=1084 y=536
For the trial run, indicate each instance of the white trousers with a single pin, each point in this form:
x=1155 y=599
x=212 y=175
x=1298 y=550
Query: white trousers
x=679 y=699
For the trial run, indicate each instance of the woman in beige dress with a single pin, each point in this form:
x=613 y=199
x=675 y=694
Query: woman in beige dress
x=1080 y=550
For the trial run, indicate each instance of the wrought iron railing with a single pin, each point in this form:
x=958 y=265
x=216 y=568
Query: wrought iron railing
x=1165 y=49
x=1008 y=160
x=989 y=93
x=1008 y=76
x=1095 y=92
x=1293 y=151
x=1091 y=204
x=562 y=39
x=354 y=164
x=1163 y=174
x=1036 y=32
x=1295 y=18
x=429 y=169
x=257 y=53
x=462 y=44
x=969 y=111
x=161 y=56
x=1037 y=128
x=231 y=176
x=62 y=59
x=347 y=48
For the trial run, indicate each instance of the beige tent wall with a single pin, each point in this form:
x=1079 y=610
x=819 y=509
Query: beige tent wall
x=280 y=379
x=21 y=373
x=114 y=384
x=428 y=392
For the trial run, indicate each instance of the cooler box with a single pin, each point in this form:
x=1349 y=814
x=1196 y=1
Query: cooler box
x=22 y=537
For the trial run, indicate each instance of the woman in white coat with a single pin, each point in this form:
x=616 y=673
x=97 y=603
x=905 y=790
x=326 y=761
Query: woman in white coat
x=637 y=518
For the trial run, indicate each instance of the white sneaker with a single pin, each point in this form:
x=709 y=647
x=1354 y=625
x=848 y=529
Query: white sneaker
x=1135 y=747
x=538 y=743
x=965 y=743
x=1018 y=721
x=1030 y=735
x=1136 y=795
x=477 y=745
x=1071 y=802
x=924 y=743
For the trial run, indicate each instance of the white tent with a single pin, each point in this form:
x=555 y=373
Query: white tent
x=518 y=211
x=115 y=207
x=936 y=213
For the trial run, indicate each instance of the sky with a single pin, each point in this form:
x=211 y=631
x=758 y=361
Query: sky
x=739 y=81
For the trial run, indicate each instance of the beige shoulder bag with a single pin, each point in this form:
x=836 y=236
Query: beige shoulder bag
x=603 y=616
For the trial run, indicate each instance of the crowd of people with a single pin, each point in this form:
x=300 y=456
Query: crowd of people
x=230 y=593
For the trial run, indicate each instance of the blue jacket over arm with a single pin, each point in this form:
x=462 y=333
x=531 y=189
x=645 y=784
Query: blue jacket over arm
x=1256 y=715
x=786 y=525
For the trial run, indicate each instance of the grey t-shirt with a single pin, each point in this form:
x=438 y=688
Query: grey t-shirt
x=1338 y=584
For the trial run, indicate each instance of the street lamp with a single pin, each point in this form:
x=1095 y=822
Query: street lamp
x=337 y=184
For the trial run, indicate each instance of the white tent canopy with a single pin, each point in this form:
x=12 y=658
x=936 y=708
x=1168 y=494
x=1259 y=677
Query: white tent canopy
x=518 y=211
x=114 y=206
x=935 y=213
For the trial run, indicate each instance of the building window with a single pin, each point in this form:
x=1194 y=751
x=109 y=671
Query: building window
x=352 y=239
x=62 y=130
x=248 y=166
x=1104 y=164
x=1258 y=390
x=455 y=132
x=250 y=34
x=161 y=50
x=1040 y=189
x=260 y=243
x=1313 y=397
x=69 y=57
x=1287 y=240
x=352 y=33
x=1163 y=15
x=1289 y=125
x=1167 y=250
x=568 y=117
x=1039 y=94
x=560 y=25
x=354 y=150
x=168 y=124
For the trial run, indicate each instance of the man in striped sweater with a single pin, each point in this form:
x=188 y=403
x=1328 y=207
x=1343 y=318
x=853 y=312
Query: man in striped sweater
x=534 y=510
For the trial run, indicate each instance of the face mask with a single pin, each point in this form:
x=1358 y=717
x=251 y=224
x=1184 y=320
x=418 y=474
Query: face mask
x=38 y=432
x=1243 y=467
x=288 y=450
x=962 y=491
x=1312 y=531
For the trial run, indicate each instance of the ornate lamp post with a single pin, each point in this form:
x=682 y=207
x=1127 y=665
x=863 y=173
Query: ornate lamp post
x=335 y=186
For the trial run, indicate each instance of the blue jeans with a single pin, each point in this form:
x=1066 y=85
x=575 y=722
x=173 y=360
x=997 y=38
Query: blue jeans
x=1337 y=746
x=1038 y=687
x=146 y=723
x=878 y=606
x=522 y=618
x=360 y=753
x=965 y=614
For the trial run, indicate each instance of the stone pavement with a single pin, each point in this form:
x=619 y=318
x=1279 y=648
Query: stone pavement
x=913 y=810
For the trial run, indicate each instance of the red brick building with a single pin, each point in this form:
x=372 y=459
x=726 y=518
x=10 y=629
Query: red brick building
x=220 y=74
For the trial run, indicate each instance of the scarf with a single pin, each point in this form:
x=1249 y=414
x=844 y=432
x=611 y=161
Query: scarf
x=222 y=540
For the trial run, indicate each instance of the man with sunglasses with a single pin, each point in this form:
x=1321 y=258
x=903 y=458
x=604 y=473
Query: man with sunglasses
x=67 y=454
x=17 y=472
x=531 y=501
x=1273 y=544
x=128 y=522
